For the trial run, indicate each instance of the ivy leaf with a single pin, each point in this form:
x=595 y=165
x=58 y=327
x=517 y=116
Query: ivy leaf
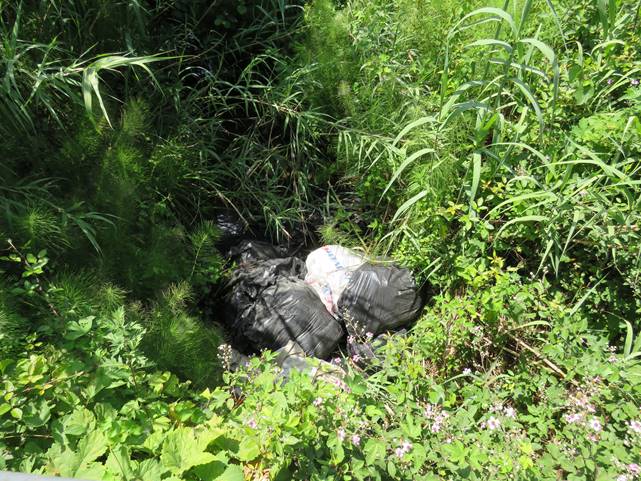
x=182 y=450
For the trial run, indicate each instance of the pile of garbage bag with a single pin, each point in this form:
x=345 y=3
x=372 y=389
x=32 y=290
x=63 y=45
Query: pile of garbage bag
x=277 y=300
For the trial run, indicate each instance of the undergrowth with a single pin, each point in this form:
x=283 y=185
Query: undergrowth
x=493 y=147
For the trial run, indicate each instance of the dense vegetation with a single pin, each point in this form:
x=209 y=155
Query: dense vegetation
x=494 y=147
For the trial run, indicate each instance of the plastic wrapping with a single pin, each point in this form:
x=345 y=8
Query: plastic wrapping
x=328 y=272
x=379 y=298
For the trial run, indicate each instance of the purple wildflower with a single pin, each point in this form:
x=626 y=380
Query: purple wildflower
x=429 y=411
x=573 y=418
x=595 y=424
x=403 y=449
x=635 y=426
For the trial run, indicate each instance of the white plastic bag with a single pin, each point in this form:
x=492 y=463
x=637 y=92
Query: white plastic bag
x=328 y=272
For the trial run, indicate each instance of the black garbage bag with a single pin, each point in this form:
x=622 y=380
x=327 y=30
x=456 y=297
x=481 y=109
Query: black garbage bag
x=252 y=250
x=378 y=298
x=271 y=305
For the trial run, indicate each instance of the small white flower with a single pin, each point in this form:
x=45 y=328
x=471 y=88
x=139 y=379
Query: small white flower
x=493 y=423
x=510 y=412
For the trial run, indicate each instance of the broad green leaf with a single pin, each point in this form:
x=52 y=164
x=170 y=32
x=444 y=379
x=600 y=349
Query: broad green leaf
x=77 y=329
x=119 y=462
x=249 y=449
x=37 y=413
x=91 y=471
x=374 y=451
x=78 y=422
x=181 y=451
x=232 y=473
x=91 y=447
x=150 y=470
x=78 y=463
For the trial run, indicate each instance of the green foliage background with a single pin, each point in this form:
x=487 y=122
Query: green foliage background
x=494 y=147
